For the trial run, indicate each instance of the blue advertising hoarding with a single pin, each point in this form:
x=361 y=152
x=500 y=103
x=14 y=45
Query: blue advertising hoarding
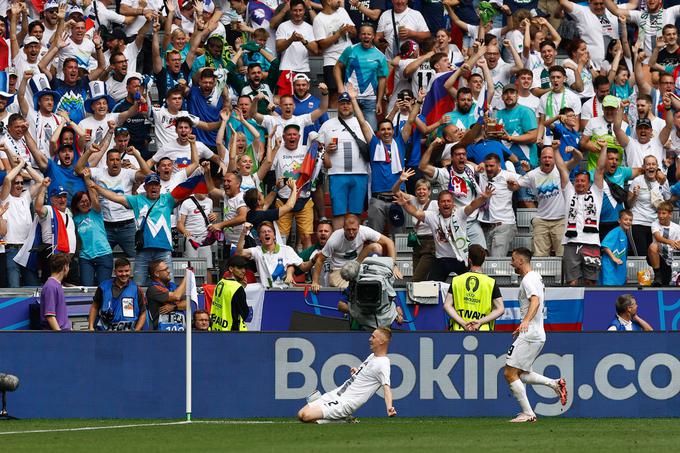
x=112 y=375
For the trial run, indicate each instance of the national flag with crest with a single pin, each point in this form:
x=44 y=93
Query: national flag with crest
x=194 y=184
x=310 y=167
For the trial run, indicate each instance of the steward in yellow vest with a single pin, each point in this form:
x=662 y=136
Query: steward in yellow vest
x=229 y=308
x=474 y=300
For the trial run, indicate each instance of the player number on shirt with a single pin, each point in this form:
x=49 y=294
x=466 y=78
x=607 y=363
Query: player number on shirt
x=510 y=350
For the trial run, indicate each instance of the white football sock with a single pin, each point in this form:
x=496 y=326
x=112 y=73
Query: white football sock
x=520 y=393
x=538 y=379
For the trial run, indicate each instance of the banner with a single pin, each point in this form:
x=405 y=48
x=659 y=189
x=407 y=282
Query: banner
x=255 y=298
x=563 y=309
x=85 y=375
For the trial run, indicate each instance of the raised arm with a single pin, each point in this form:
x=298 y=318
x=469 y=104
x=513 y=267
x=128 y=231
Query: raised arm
x=561 y=167
x=567 y=5
x=44 y=64
x=665 y=133
x=39 y=204
x=9 y=178
x=23 y=103
x=266 y=164
x=94 y=197
x=480 y=200
x=518 y=66
x=425 y=166
x=156 y=47
x=621 y=136
x=365 y=127
x=323 y=106
x=108 y=194
x=240 y=250
x=403 y=200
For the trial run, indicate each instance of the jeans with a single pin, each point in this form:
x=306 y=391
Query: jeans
x=368 y=109
x=95 y=271
x=122 y=235
x=144 y=258
x=17 y=272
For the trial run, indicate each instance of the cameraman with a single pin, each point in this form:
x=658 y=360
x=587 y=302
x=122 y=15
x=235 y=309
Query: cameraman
x=118 y=303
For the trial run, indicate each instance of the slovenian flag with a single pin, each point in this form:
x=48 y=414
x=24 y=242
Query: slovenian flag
x=310 y=167
x=194 y=184
x=437 y=102
x=27 y=256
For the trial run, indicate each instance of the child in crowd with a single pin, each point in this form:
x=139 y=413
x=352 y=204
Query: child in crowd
x=565 y=131
x=614 y=252
x=666 y=241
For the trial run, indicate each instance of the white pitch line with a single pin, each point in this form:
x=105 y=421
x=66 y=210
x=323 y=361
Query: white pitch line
x=246 y=422
x=92 y=428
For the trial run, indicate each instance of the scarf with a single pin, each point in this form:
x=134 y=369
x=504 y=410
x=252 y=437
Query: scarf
x=59 y=232
x=591 y=216
x=393 y=157
x=448 y=228
x=459 y=188
x=549 y=104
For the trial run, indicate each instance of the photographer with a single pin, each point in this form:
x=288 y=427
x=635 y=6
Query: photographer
x=118 y=303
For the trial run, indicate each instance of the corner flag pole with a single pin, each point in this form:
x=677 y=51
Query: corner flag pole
x=190 y=289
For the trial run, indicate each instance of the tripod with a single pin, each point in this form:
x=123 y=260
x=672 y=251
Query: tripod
x=3 y=412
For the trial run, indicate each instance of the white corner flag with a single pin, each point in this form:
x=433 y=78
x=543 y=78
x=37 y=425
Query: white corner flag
x=191 y=299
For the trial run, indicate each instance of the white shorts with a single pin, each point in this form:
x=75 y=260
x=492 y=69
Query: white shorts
x=522 y=353
x=335 y=407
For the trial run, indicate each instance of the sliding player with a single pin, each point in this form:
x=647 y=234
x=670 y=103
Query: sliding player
x=340 y=404
x=530 y=339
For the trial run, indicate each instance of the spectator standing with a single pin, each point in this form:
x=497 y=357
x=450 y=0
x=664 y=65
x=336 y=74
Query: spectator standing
x=666 y=241
x=399 y=24
x=118 y=303
x=645 y=193
x=137 y=126
x=602 y=126
x=365 y=67
x=324 y=229
x=596 y=25
x=295 y=41
x=95 y=255
x=306 y=103
x=333 y=29
x=195 y=215
x=554 y=101
x=234 y=211
x=583 y=203
x=615 y=252
x=53 y=313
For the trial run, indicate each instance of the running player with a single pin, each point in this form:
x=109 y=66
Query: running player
x=340 y=403
x=530 y=339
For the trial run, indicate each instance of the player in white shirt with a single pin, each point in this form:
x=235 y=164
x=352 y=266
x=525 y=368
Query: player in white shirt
x=530 y=338
x=342 y=402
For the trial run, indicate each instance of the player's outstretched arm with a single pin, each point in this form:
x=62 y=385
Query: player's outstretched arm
x=391 y=411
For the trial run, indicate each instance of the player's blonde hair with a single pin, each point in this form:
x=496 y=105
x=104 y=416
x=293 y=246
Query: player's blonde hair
x=387 y=333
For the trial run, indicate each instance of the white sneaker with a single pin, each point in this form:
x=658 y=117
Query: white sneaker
x=522 y=418
x=315 y=395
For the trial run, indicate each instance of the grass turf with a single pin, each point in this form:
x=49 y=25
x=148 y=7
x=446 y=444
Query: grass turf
x=399 y=434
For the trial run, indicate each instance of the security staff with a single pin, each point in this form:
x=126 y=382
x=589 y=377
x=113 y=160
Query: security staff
x=472 y=295
x=229 y=309
x=118 y=303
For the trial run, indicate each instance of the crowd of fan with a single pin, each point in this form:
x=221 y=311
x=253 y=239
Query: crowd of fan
x=105 y=113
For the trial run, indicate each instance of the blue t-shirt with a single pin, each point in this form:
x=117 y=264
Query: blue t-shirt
x=157 y=232
x=92 y=235
x=612 y=274
x=518 y=121
x=675 y=190
x=382 y=178
x=363 y=67
x=567 y=137
x=65 y=177
x=414 y=140
x=460 y=120
x=72 y=98
x=610 y=208
x=310 y=104
x=478 y=151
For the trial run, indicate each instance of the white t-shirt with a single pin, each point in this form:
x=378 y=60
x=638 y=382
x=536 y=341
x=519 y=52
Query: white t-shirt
x=587 y=109
x=446 y=232
x=598 y=126
x=409 y=18
x=499 y=206
x=181 y=154
x=267 y=262
x=653 y=24
x=532 y=285
x=97 y=128
x=530 y=101
x=117 y=90
x=287 y=164
x=548 y=190
x=18 y=147
x=164 y=124
x=636 y=152
x=269 y=122
x=327 y=24
x=593 y=29
x=105 y=16
x=194 y=222
x=154 y=5
x=231 y=206
x=347 y=159
x=500 y=75
x=41 y=128
x=587 y=77
x=672 y=232
x=552 y=103
x=643 y=211
x=121 y=184
x=296 y=56
x=657 y=125
x=19 y=218
x=579 y=204
x=340 y=250
x=84 y=53
x=371 y=375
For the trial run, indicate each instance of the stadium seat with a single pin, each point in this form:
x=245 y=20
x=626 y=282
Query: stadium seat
x=550 y=269
x=401 y=243
x=501 y=270
x=524 y=216
x=635 y=264
x=406 y=267
x=522 y=241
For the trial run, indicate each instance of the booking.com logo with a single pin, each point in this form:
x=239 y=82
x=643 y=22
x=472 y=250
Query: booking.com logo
x=427 y=373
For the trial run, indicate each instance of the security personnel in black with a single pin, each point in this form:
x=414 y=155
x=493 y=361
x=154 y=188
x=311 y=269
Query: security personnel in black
x=474 y=300
x=229 y=309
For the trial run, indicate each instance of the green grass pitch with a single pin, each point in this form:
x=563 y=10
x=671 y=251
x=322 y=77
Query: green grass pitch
x=371 y=434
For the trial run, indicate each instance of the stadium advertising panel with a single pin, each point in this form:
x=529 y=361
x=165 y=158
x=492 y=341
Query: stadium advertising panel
x=270 y=374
